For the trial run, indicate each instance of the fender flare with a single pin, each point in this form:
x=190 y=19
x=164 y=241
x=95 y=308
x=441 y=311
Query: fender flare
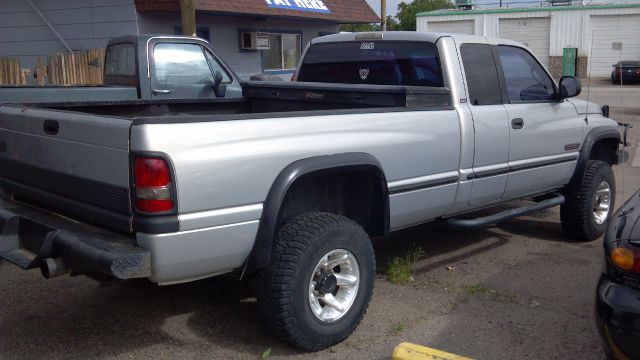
x=593 y=136
x=261 y=252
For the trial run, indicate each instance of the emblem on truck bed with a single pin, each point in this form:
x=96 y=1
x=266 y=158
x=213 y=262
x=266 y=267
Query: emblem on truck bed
x=313 y=95
x=363 y=73
x=574 y=146
x=367 y=46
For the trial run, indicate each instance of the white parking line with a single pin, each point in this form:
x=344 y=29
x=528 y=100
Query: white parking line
x=636 y=158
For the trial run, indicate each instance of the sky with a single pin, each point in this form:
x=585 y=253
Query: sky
x=392 y=5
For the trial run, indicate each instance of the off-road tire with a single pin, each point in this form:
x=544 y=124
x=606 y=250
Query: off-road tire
x=283 y=299
x=577 y=214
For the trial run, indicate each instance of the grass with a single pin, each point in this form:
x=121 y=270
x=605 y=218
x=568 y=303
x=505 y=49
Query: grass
x=478 y=289
x=401 y=269
x=473 y=289
x=265 y=354
x=397 y=329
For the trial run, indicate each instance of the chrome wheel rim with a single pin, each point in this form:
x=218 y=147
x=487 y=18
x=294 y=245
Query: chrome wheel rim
x=334 y=285
x=602 y=203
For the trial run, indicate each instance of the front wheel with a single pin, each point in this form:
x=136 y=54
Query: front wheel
x=589 y=205
x=320 y=280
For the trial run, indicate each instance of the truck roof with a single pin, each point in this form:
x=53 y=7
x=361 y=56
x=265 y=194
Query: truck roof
x=143 y=38
x=410 y=36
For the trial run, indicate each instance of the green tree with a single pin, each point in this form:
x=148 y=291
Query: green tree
x=359 y=27
x=407 y=12
x=392 y=24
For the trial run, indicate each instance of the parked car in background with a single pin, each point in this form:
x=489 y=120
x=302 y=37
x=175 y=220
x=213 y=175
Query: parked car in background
x=626 y=72
x=618 y=294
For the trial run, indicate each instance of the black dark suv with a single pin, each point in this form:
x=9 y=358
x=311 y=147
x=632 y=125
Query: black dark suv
x=618 y=294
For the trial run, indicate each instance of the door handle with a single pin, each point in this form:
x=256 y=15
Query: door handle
x=517 y=123
x=51 y=127
x=161 y=91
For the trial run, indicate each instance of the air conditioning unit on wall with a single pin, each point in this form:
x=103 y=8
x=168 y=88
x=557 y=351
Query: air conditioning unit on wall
x=253 y=40
x=464 y=4
x=559 y=2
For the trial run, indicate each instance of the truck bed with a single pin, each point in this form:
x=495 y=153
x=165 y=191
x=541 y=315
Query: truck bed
x=74 y=157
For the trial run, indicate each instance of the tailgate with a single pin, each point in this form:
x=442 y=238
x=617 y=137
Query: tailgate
x=74 y=163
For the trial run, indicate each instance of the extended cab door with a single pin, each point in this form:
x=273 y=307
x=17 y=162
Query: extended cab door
x=544 y=133
x=184 y=70
x=490 y=122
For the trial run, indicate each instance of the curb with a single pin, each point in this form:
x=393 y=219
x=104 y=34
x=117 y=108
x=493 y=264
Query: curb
x=409 y=351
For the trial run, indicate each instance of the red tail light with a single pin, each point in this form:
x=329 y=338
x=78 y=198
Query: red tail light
x=152 y=180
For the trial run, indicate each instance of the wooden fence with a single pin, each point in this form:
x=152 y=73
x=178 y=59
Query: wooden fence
x=77 y=68
x=11 y=73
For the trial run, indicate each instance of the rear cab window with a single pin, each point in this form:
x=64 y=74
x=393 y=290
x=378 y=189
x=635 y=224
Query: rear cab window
x=409 y=63
x=120 y=65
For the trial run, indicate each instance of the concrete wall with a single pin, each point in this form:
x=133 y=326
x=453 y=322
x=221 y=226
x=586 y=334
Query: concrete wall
x=84 y=24
x=225 y=32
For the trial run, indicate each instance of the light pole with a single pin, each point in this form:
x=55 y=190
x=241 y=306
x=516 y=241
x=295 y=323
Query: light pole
x=383 y=14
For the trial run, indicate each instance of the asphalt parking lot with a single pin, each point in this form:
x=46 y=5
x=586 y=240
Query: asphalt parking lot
x=515 y=291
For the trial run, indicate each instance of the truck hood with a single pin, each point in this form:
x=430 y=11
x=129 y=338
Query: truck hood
x=582 y=106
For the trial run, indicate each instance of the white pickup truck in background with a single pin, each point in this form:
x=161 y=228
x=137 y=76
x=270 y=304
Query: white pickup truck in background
x=381 y=131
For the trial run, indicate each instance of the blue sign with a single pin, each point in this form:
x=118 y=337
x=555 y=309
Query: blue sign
x=304 y=5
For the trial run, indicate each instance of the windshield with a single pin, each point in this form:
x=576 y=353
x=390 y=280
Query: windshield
x=373 y=62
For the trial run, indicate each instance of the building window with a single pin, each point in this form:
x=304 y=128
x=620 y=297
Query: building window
x=284 y=52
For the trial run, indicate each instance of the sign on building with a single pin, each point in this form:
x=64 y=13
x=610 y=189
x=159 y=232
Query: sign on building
x=304 y=5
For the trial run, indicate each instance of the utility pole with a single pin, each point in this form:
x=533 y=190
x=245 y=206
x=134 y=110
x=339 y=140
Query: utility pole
x=383 y=14
x=188 y=16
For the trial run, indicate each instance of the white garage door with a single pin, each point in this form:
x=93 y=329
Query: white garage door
x=533 y=32
x=458 y=27
x=614 y=37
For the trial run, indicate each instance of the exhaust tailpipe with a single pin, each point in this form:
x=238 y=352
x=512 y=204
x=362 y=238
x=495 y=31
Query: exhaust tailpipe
x=53 y=267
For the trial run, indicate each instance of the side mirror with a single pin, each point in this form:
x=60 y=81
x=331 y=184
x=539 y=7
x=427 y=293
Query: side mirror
x=218 y=88
x=569 y=87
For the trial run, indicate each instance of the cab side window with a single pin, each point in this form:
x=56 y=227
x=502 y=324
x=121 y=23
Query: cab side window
x=526 y=79
x=481 y=73
x=181 y=64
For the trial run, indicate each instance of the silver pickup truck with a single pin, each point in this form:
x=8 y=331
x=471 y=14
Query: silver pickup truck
x=290 y=183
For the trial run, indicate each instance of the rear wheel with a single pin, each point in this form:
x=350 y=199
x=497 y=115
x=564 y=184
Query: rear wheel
x=320 y=280
x=585 y=214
